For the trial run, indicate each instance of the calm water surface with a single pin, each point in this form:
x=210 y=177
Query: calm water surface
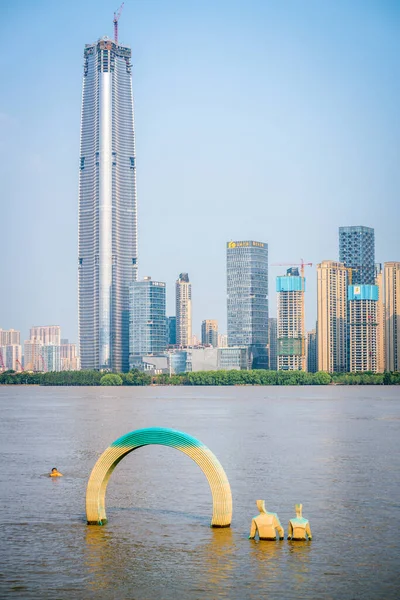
x=335 y=449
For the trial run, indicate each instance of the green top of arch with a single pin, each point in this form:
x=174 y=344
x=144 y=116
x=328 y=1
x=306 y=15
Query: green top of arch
x=157 y=435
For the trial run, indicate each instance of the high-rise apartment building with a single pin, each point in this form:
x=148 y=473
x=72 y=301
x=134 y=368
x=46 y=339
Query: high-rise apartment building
x=171 y=331
x=33 y=357
x=312 y=351
x=362 y=327
x=46 y=334
x=380 y=316
x=107 y=255
x=68 y=356
x=147 y=319
x=247 y=298
x=51 y=357
x=392 y=315
x=209 y=333
x=183 y=290
x=272 y=343
x=10 y=337
x=11 y=357
x=332 y=316
x=357 y=252
x=291 y=351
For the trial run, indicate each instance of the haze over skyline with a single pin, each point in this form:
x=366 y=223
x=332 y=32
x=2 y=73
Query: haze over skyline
x=257 y=120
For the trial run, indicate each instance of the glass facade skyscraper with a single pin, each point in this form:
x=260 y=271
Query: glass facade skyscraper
x=247 y=298
x=171 y=331
x=147 y=319
x=357 y=251
x=107 y=256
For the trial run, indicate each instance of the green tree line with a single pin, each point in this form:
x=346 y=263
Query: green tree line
x=252 y=377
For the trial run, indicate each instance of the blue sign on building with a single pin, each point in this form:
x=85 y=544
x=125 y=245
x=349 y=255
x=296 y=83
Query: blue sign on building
x=290 y=283
x=363 y=292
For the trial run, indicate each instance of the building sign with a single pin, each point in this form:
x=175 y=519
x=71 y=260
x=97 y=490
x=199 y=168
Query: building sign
x=245 y=244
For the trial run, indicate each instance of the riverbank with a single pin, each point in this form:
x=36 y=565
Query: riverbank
x=209 y=378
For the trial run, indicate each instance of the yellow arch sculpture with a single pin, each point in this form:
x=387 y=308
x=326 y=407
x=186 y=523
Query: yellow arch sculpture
x=202 y=456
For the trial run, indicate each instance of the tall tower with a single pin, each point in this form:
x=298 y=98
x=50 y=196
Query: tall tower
x=362 y=323
x=107 y=256
x=291 y=337
x=357 y=251
x=272 y=343
x=247 y=298
x=312 y=351
x=183 y=290
x=332 y=316
x=392 y=315
x=380 y=317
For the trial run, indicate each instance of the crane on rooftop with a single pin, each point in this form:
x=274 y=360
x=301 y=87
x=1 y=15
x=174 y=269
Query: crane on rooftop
x=117 y=15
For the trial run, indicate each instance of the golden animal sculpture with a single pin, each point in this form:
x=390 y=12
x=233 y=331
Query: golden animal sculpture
x=202 y=456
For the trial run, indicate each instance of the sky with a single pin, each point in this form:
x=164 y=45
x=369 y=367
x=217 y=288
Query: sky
x=269 y=120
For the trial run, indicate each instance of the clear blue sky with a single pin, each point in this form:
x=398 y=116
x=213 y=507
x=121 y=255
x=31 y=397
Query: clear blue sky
x=269 y=120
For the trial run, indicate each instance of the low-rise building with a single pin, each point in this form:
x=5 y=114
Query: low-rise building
x=196 y=359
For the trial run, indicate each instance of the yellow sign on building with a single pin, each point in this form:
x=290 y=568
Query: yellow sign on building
x=245 y=244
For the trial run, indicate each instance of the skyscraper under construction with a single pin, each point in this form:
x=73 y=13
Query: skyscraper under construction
x=107 y=262
x=291 y=335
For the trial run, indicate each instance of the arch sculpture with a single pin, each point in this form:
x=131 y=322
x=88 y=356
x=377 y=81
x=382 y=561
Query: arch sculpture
x=202 y=456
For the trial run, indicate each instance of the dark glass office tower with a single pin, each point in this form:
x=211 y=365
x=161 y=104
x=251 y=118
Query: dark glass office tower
x=247 y=298
x=357 y=251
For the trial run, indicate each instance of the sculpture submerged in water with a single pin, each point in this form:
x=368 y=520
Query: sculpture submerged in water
x=266 y=524
x=196 y=450
x=299 y=527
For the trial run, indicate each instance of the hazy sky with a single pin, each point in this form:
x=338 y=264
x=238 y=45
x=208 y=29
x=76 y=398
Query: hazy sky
x=276 y=121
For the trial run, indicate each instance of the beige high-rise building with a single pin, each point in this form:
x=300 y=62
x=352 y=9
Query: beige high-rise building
x=222 y=340
x=380 y=318
x=183 y=311
x=33 y=357
x=10 y=337
x=48 y=334
x=332 y=316
x=362 y=325
x=291 y=349
x=209 y=333
x=68 y=356
x=392 y=315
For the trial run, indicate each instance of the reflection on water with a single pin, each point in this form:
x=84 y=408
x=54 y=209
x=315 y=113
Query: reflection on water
x=158 y=542
x=300 y=554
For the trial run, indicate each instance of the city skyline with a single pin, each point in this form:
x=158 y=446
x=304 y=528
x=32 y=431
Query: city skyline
x=361 y=157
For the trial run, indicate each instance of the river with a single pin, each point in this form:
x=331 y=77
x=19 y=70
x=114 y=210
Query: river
x=333 y=448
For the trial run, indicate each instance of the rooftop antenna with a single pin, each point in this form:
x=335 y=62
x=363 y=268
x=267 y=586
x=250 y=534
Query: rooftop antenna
x=117 y=15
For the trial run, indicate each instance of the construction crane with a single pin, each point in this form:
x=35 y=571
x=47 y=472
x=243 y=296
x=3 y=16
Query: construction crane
x=301 y=264
x=117 y=15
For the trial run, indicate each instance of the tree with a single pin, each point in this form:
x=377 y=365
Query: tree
x=321 y=378
x=111 y=379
